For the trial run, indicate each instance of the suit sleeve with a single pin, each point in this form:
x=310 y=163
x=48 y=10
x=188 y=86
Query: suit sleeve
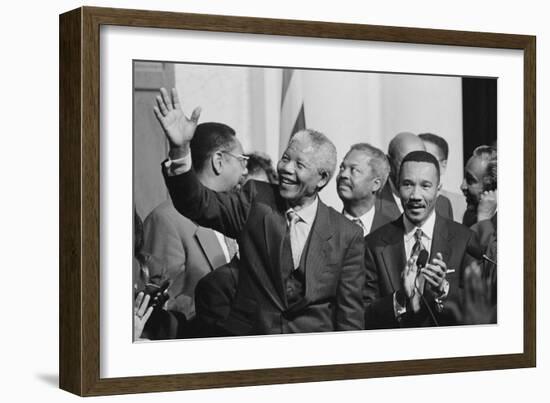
x=349 y=298
x=474 y=252
x=225 y=212
x=379 y=312
x=161 y=239
x=443 y=207
x=485 y=231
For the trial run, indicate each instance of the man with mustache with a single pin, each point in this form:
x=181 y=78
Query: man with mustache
x=363 y=173
x=301 y=263
x=388 y=204
x=398 y=292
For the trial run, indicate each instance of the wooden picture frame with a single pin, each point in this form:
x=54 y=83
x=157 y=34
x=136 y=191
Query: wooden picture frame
x=80 y=198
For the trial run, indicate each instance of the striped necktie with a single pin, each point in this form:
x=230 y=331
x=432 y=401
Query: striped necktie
x=418 y=246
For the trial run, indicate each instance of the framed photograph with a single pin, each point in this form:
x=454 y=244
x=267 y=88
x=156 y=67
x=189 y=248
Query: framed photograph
x=269 y=253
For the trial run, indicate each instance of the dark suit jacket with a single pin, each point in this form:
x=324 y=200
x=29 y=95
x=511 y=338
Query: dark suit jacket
x=486 y=231
x=387 y=210
x=385 y=260
x=334 y=264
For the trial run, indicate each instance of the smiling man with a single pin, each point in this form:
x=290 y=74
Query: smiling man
x=389 y=206
x=301 y=262
x=398 y=292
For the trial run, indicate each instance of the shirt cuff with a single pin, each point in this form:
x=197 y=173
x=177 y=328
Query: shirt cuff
x=398 y=309
x=179 y=166
x=445 y=293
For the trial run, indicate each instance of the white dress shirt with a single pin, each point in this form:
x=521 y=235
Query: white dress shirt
x=299 y=231
x=427 y=233
x=365 y=220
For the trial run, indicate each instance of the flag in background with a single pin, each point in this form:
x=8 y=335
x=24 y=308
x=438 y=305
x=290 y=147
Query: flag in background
x=292 y=107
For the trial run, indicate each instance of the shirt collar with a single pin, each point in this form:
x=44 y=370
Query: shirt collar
x=366 y=218
x=427 y=228
x=307 y=214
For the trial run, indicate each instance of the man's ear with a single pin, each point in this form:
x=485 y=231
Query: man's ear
x=443 y=166
x=377 y=185
x=216 y=162
x=324 y=180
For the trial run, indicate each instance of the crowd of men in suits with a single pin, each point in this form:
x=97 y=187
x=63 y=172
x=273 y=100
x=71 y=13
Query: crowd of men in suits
x=244 y=249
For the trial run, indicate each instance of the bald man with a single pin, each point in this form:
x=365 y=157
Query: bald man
x=389 y=206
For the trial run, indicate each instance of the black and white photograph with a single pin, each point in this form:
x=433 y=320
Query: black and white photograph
x=272 y=200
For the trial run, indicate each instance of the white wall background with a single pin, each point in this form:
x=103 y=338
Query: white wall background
x=350 y=107
x=28 y=162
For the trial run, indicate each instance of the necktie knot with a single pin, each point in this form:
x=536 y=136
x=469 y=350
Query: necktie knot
x=292 y=217
x=418 y=246
x=358 y=222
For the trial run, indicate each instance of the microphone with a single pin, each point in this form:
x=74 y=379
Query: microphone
x=475 y=251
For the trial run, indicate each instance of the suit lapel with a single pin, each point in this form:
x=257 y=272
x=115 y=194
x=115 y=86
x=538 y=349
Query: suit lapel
x=387 y=204
x=394 y=254
x=274 y=231
x=319 y=247
x=210 y=245
x=441 y=239
x=379 y=218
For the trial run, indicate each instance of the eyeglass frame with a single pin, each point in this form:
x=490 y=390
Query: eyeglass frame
x=243 y=159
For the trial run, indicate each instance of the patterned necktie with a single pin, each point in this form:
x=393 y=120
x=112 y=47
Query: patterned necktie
x=418 y=246
x=359 y=223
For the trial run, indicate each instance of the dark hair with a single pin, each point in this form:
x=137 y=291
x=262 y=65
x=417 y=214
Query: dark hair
x=439 y=142
x=421 y=156
x=258 y=162
x=209 y=138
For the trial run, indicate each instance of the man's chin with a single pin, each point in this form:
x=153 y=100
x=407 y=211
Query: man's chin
x=344 y=194
x=415 y=216
x=286 y=194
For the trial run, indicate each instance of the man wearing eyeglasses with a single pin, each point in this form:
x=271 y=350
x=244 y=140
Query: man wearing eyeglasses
x=190 y=252
x=301 y=263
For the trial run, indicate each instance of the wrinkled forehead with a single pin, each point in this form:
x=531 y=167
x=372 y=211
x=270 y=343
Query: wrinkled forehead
x=300 y=143
x=357 y=157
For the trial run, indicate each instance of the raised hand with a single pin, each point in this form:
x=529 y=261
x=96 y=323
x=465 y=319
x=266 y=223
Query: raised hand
x=179 y=129
x=487 y=205
x=435 y=273
x=477 y=306
x=413 y=284
x=142 y=312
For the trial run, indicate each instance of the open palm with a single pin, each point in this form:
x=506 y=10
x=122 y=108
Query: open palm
x=177 y=127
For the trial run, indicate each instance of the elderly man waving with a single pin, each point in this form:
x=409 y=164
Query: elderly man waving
x=301 y=262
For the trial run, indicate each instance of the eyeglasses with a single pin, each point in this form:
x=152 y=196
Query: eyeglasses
x=243 y=159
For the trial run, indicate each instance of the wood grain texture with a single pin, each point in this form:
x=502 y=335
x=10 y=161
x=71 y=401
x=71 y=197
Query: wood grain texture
x=530 y=203
x=80 y=200
x=70 y=271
